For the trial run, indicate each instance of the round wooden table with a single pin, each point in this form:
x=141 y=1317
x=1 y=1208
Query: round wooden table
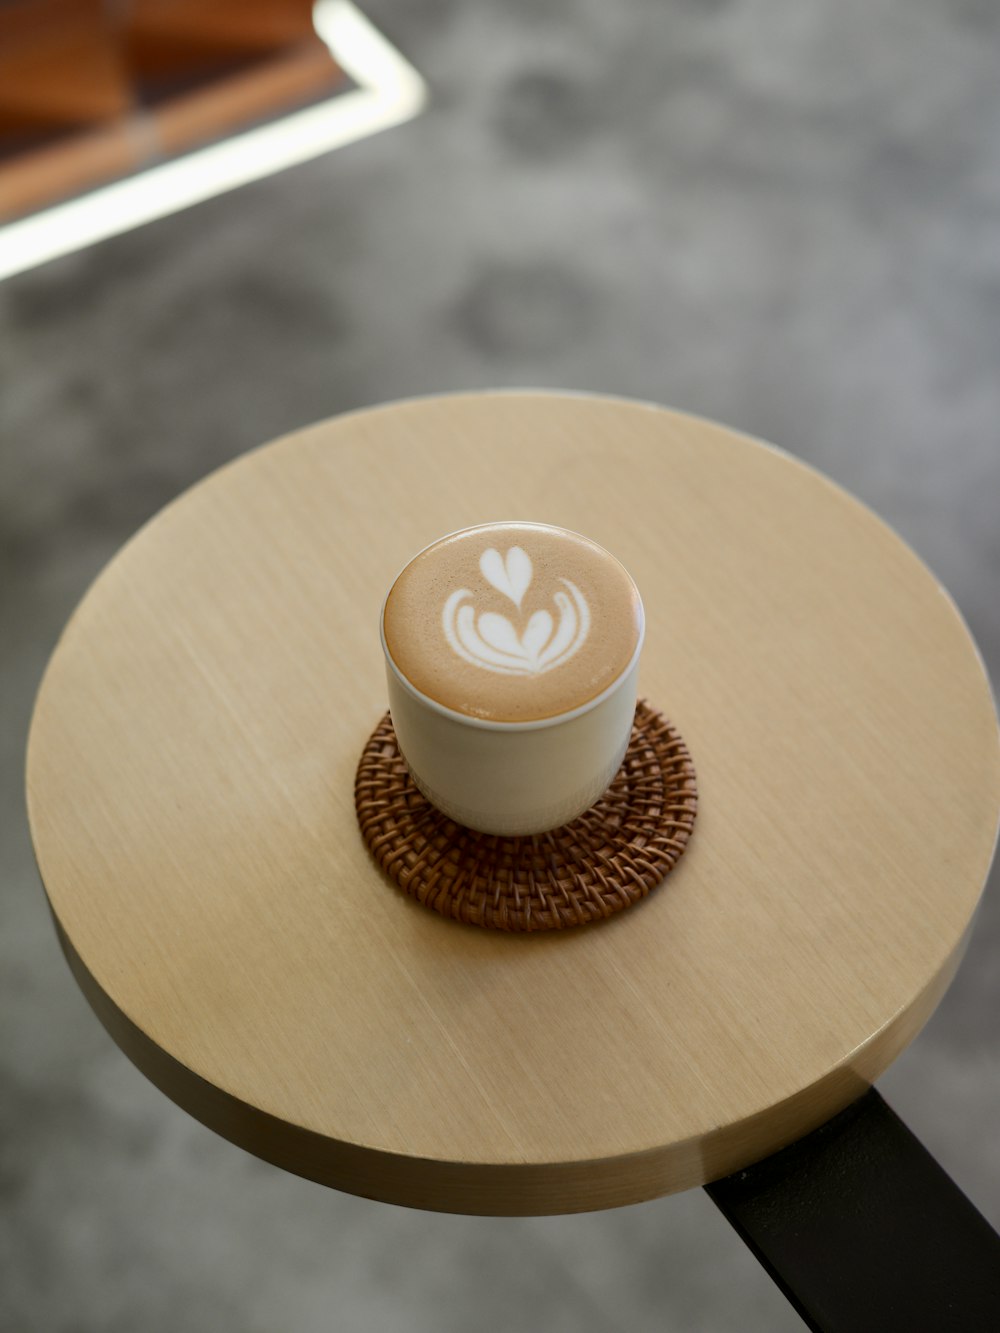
x=190 y=774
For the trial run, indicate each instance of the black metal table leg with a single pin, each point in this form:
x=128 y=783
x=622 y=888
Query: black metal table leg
x=865 y=1233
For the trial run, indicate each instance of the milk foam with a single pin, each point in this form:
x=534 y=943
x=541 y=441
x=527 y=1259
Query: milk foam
x=512 y=622
x=490 y=639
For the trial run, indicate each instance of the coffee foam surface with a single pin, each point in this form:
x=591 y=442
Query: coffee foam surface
x=512 y=622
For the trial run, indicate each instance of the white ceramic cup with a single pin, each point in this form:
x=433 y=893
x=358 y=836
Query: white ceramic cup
x=513 y=778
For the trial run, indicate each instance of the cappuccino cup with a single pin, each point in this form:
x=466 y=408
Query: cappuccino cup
x=512 y=651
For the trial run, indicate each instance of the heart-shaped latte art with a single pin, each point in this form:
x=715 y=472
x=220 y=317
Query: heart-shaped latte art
x=497 y=632
x=510 y=575
x=491 y=640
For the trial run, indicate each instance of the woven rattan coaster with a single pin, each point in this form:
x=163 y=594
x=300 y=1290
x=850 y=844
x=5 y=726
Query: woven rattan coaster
x=607 y=859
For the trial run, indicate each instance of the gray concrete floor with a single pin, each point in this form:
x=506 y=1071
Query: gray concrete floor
x=784 y=214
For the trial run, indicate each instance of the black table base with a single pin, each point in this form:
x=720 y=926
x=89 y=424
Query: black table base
x=865 y=1233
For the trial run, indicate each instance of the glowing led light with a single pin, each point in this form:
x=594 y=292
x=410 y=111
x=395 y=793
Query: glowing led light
x=389 y=92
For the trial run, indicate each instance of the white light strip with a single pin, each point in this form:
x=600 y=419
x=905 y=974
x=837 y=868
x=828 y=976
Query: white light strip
x=389 y=92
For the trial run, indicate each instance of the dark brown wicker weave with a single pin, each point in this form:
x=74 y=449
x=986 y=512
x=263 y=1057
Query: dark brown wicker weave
x=607 y=859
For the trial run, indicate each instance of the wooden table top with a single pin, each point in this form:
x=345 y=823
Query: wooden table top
x=190 y=774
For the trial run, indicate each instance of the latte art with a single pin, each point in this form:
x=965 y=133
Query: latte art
x=492 y=640
x=512 y=622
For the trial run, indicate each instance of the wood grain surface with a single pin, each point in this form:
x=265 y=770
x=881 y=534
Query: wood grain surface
x=190 y=788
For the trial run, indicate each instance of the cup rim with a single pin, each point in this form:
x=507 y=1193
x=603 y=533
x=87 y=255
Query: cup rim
x=492 y=724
